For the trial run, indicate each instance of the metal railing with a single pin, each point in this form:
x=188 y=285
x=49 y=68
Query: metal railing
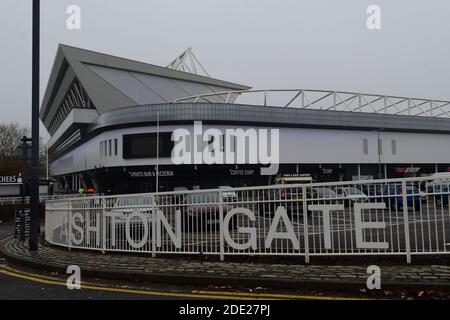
x=330 y=100
x=380 y=217
x=18 y=200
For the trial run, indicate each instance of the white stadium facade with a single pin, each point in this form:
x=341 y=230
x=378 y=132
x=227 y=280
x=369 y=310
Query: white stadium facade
x=106 y=116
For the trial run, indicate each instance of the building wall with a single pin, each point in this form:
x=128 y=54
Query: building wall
x=297 y=146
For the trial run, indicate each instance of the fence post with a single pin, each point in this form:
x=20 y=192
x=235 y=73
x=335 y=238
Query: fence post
x=406 y=221
x=154 y=212
x=69 y=227
x=305 y=224
x=103 y=225
x=222 y=247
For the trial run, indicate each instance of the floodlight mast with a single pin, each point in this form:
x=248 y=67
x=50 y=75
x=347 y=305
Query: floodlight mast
x=188 y=62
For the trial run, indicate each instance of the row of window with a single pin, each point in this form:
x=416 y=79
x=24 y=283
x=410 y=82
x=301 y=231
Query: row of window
x=144 y=146
x=75 y=97
x=380 y=146
x=109 y=148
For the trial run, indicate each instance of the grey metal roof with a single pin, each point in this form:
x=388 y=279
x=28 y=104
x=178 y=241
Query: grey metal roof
x=260 y=115
x=105 y=88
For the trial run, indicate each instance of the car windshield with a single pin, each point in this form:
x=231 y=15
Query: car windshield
x=354 y=191
x=134 y=201
x=325 y=192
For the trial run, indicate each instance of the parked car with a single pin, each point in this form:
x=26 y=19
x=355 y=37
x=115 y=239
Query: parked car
x=438 y=188
x=439 y=194
x=323 y=193
x=351 y=194
x=438 y=179
x=393 y=196
x=202 y=211
x=373 y=192
x=290 y=198
x=228 y=194
x=125 y=205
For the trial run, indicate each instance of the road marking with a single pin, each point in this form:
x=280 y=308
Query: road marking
x=198 y=294
x=37 y=279
x=6 y=239
x=277 y=296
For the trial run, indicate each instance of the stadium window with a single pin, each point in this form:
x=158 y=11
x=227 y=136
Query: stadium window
x=101 y=149
x=394 y=146
x=115 y=147
x=136 y=146
x=110 y=147
x=365 y=146
x=105 y=146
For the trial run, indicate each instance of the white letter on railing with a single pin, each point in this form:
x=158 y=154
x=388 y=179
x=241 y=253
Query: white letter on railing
x=95 y=228
x=112 y=226
x=77 y=228
x=144 y=222
x=176 y=239
x=326 y=209
x=289 y=234
x=360 y=225
x=251 y=231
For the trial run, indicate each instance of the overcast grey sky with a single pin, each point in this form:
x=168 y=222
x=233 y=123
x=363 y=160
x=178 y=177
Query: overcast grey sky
x=316 y=44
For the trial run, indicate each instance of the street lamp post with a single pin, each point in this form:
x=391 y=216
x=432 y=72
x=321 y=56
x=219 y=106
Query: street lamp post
x=34 y=190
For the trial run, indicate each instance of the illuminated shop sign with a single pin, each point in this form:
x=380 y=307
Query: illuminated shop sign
x=407 y=170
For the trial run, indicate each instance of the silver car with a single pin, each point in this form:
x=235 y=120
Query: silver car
x=125 y=205
x=353 y=194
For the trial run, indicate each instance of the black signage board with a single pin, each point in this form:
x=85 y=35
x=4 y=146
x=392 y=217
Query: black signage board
x=22 y=222
x=23 y=154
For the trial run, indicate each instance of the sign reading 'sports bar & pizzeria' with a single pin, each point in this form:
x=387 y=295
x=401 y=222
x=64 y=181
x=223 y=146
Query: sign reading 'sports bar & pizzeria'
x=146 y=174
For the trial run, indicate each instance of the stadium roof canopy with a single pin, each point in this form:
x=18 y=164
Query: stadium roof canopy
x=97 y=82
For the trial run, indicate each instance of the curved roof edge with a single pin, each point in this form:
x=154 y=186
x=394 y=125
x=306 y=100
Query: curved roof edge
x=261 y=115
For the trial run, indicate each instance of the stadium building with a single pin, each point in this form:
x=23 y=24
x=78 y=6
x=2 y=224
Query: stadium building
x=107 y=117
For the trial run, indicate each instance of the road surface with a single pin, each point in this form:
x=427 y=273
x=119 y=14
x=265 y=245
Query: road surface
x=20 y=283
